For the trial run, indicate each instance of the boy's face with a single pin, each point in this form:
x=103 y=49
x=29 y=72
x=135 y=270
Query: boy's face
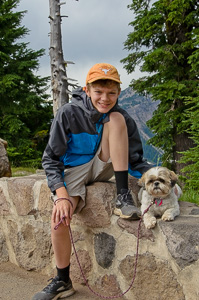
x=103 y=98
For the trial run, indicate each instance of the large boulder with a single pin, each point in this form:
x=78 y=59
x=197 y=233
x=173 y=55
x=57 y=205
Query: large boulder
x=5 y=170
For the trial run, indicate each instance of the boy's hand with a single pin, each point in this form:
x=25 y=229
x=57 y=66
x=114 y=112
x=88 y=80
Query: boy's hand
x=62 y=209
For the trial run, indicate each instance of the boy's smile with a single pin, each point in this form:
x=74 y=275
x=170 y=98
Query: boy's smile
x=103 y=98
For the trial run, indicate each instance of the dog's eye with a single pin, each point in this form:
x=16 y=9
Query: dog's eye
x=162 y=180
x=150 y=181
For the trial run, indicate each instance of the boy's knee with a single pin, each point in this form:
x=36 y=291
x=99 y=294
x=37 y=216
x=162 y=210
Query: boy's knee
x=117 y=119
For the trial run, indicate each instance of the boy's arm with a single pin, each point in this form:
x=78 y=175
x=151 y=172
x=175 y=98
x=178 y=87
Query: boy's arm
x=53 y=168
x=56 y=147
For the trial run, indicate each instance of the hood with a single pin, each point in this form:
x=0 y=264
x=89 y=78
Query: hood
x=79 y=98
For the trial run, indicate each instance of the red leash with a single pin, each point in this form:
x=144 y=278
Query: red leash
x=136 y=259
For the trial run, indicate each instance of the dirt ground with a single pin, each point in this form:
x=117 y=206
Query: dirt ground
x=19 y=284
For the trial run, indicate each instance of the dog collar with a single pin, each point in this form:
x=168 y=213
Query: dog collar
x=158 y=201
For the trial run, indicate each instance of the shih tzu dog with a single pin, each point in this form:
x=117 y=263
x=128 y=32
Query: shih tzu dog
x=159 y=186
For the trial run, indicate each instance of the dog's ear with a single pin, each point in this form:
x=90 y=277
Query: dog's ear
x=173 y=178
x=141 y=181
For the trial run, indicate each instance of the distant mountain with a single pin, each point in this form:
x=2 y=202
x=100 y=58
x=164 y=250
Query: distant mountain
x=141 y=109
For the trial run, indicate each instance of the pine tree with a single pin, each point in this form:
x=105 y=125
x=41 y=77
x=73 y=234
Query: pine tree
x=164 y=42
x=191 y=156
x=24 y=112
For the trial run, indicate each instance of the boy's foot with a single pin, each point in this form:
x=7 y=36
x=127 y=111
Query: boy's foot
x=55 y=289
x=125 y=207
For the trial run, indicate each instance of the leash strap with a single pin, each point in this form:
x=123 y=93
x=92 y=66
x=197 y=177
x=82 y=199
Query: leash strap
x=136 y=258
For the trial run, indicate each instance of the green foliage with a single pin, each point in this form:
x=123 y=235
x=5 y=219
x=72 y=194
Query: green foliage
x=165 y=44
x=24 y=110
x=192 y=155
x=190 y=195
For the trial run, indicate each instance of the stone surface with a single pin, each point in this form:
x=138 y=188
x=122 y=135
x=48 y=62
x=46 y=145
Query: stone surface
x=98 y=209
x=3 y=249
x=104 y=246
x=31 y=244
x=195 y=211
x=154 y=278
x=186 y=208
x=21 y=194
x=5 y=169
x=78 y=236
x=132 y=227
x=45 y=204
x=4 y=205
x=182 y=239
x=107 y=286
x=168 y=260
x=86 y=266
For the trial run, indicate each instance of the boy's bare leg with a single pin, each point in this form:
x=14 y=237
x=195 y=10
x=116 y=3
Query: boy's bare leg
x=115 y=142
x=61 y=285
x=61 y=239
x=115 y=146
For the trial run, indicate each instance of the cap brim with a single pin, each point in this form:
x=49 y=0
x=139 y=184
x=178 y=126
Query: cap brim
x=104 y=78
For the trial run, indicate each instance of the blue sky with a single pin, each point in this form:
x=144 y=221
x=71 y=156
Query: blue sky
x=95 y=31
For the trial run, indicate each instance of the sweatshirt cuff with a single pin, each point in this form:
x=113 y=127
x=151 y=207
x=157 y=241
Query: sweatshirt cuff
x=57 y=186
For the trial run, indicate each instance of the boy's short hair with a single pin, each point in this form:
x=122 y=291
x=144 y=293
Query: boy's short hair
x=103 y=71
x=104 y=83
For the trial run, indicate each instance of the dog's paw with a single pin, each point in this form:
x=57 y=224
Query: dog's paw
x=150 y=222
x=167 y=217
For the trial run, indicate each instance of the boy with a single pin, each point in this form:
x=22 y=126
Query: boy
x=91 y=139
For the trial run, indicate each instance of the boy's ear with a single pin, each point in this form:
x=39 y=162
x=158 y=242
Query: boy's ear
x=141 y=181
x=86 y=90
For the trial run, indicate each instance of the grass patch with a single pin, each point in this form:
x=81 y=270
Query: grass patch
x=22 y=171
x=190 y=196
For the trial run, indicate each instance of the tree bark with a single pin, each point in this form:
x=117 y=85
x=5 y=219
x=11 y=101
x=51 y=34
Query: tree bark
x=59 y=81
x=183 y=142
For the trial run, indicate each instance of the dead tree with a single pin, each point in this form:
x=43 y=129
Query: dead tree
x=59 y=80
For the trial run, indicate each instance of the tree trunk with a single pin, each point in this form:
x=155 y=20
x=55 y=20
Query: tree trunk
x=59 y=81
x=182 y=143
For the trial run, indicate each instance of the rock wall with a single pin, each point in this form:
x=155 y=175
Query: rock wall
x=168 y=260
x=5 y=170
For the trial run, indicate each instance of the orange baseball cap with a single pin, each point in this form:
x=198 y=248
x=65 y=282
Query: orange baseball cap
x=102 y=71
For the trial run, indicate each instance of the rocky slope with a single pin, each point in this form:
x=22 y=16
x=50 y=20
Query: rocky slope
x=141 y=110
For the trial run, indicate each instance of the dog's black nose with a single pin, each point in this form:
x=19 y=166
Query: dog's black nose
x=156 y=183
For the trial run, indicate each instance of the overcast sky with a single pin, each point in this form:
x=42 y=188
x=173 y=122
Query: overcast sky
x=95 y=31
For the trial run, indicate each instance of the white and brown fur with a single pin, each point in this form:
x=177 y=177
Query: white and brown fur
x=159 y=185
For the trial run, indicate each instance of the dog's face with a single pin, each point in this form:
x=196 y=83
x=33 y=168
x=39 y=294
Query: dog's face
x=158 y=181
